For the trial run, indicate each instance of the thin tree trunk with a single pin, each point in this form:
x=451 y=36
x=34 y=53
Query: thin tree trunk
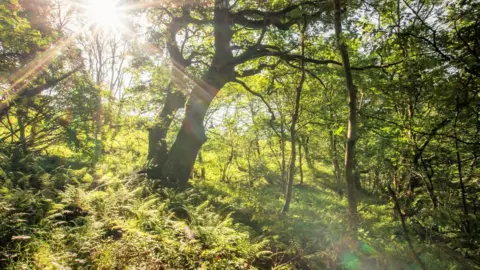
x=293 y=126
x=282 y=150
x=300 y=161
x=469 y=179
x=228 y=164
x=270 y=145
x=257 y=137
x=352 y=121
x=404 y=228
x=333 y=152
x=460 y=169
x=429 y=185
x=21 y=117
x=308 y=158
x=98 y=99
x=98 y=126
x=202 y=170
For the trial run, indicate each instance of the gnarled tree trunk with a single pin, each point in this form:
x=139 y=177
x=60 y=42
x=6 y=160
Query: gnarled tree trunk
x=191 y=137
x=175 y=99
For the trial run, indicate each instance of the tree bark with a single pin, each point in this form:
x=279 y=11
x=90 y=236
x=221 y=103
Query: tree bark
x=352 y=121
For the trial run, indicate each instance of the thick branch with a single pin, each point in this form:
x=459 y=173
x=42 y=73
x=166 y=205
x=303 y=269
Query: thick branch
x=255 y=71
x=276 y=18
x=265 y=50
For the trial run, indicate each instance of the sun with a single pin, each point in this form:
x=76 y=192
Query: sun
x=105 y=14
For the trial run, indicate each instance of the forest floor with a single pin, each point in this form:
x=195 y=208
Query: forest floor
x=72 y=217
x=316 y=232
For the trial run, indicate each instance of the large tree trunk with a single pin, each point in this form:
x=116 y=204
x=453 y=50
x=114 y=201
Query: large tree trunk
x=157 y=145
x=191 y=137
x=175 y=99
x=352 y=121
x=183 y=153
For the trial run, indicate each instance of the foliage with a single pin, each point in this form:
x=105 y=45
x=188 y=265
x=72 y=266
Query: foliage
x=87 y=109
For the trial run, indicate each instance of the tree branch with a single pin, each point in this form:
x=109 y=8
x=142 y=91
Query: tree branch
x=275 y=18
x=245 y=86
x=6 y=104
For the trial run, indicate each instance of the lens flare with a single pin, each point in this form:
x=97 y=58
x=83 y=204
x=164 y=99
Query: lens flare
x=105 y=14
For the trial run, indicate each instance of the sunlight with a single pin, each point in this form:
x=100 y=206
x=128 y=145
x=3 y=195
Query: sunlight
x=104 y=14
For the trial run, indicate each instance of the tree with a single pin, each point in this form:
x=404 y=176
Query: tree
x=352 y=121
x=293 y=125
x=26 y=36
x=221 y=70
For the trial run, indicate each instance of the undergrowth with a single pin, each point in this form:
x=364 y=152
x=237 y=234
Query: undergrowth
x=61 y=218
x=64 y=213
